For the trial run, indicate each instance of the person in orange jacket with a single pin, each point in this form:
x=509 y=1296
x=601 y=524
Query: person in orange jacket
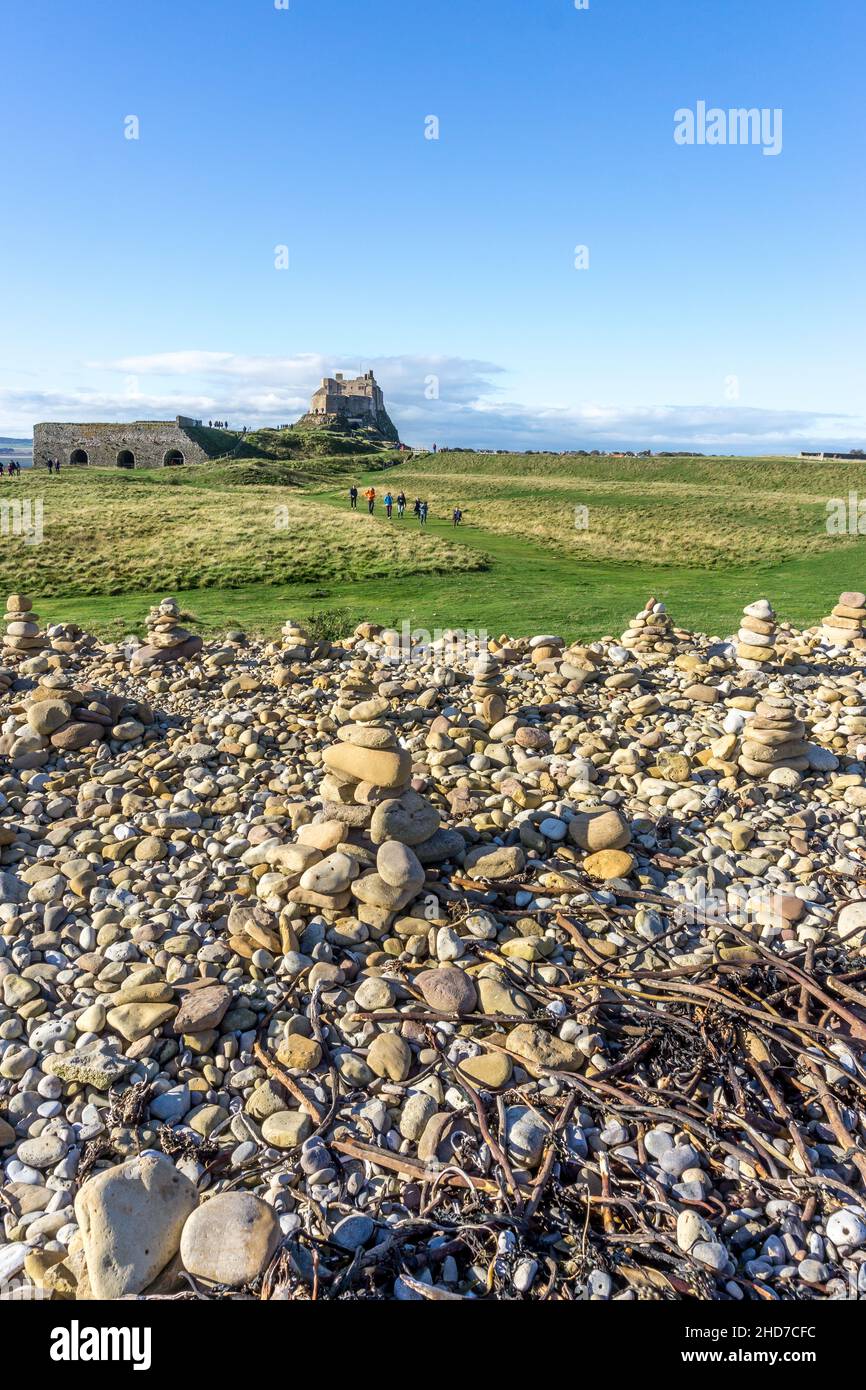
x=370 y=495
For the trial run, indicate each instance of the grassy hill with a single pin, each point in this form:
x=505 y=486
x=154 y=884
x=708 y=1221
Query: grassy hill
x=111 y=532
x=703 y=513
x=308 y=443
x=249 y=540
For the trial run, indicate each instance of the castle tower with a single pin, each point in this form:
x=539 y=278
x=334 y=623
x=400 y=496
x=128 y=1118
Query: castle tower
x=355 y=402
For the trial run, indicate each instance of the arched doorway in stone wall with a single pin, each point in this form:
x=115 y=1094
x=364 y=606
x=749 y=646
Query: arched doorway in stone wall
x=79 y=456
x=173 y=458
x=126 y=459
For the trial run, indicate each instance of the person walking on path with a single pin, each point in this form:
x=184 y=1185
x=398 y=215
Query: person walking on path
x=353 y=498
x=422 y=514
x=370 y=495
x=50 y=465
x=417 y=506
x=389 y=505
x=456 y=517
x=401 y=504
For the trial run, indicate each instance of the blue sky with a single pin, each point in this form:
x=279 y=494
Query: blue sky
x=723 y=303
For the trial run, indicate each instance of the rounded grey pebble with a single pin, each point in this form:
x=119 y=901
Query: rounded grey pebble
x=676 y=1160
x=710 y=1253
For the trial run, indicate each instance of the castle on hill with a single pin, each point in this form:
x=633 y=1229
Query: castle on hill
x=356 y=403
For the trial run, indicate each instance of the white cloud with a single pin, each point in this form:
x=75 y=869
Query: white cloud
x=468 y=409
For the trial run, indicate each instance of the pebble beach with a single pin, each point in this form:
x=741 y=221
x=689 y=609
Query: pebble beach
x=520 y=970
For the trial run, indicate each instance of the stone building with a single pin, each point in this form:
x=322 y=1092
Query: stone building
x=357 y=402
x=141 y=444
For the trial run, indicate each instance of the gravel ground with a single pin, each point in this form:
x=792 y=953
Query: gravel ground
x=365 y=972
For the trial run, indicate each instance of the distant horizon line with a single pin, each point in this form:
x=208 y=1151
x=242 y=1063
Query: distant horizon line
x=690 y=451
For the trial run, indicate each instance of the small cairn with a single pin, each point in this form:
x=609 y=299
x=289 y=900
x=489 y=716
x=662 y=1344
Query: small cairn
x=774 y=737
x=844 y=626
x=486 y=688
x=69 y=639
x=296 y=645
x=22 y=638
x=756 y=639
x=370 y=804
x=356 y=686
x=57 y=716
x=166 y=639
x=546 y=648
x=651 y=630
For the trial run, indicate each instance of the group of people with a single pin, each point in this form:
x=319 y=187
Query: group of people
x=420 y=507
x=53 y=466
x=13 y=468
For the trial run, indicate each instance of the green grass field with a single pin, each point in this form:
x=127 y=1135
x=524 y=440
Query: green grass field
x=251 y=541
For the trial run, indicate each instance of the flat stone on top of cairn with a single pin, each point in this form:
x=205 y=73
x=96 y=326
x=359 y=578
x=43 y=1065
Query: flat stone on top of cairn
x=844 y=626
x=756 y=639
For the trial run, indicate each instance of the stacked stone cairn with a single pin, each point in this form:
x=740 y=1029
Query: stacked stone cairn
x=69 y=639
x=774 y=737
x=579 y=666
x=756 y=639
x=166 y=639
x=356 y=688
x=58 y=717
x=486 y=688
x=546 y=651
x=383 y=832
x=844 y=626
x=650 y=631
x=296 y=645
x=22 y=638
